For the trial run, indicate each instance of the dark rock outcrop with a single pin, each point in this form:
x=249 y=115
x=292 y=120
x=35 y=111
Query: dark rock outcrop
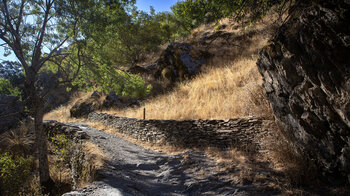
x=114 y=101
x=11 y=112
x=84 y=106
x=179 y=61
x=306 y=71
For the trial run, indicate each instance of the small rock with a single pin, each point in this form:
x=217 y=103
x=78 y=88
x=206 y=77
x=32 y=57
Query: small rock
x=83 y=135
x=74 y=193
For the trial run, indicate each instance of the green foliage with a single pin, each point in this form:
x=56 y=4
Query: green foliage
x=14 y=173
x=192 y=13
x=6 y=88
x=82 y=169
x=128 y=37
x=61 y=147
x=105 y=79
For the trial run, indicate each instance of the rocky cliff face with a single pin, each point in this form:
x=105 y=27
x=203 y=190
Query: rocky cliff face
x=306 y=71
x=11 y=112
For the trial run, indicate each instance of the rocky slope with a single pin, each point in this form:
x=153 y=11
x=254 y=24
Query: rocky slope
x=306 y=71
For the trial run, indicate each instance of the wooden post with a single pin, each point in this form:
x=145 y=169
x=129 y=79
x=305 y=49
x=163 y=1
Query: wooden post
x=144 y=113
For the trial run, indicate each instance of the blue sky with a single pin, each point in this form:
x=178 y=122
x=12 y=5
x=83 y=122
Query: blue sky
x=158 y=5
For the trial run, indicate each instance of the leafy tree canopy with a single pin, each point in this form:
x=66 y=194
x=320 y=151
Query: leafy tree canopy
x=191 y=13
x=6 y=88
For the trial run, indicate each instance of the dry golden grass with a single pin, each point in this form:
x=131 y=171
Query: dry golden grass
x=297 y=170
x=234 y=90
x=227 y=87
x=62 y=175
x=234 y=156
x=95 y=154
x=62 y=113
x=18 y=141
x=59 y=174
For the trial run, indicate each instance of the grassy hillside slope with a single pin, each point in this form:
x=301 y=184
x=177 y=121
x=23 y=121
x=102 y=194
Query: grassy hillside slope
x=232 y=90
x=228 y=87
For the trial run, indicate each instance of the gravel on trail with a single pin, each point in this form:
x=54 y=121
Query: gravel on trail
x=133 y=170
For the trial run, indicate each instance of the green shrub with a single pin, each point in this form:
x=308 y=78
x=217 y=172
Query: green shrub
x=14 y=174
x=103 y=78
x=61 y=147
x=6 y=88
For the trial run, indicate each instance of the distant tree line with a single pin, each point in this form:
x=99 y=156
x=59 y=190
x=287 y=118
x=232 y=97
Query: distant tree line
x=192 y=13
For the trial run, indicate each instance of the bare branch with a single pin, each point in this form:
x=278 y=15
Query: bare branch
x=43 y=60
x=67 y=79
x=15 y=44
x=37 y=47
x=20 y=17
x=8 y=22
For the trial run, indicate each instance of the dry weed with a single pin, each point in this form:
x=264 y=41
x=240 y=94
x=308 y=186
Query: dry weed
x=96 y=156
x=62 y=113
x=224 y=92
x=18 y=141
x=284 y=157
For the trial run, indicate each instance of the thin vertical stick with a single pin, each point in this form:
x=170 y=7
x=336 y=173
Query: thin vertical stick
x=144 y=113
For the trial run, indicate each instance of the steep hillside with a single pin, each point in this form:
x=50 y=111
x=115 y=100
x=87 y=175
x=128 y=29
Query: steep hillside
x=229 y=85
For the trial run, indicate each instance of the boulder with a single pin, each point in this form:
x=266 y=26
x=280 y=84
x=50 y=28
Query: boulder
x=114 y=101
x=306 y=72
x=83 y=107
x=11 y=112
x=179 y=61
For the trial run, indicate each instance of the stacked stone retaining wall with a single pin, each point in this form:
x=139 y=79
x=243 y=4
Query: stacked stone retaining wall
x=239 y=132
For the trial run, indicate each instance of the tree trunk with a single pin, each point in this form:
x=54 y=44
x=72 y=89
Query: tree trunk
x=41 y=143
x=37 y=106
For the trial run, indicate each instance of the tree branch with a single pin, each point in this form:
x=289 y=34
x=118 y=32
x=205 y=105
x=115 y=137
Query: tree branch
x=67 y=80
x=15 y=44
x=51 y=54
x=8 y=21
x=37 y=47
x=20 y=17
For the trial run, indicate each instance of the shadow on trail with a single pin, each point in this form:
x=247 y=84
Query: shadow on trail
x=133 y=170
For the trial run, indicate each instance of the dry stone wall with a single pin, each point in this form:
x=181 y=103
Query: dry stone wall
x=241 y=132
x=53 y=128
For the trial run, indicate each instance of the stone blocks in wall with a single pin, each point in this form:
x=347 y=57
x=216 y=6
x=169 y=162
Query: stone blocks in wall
x=189 y=133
